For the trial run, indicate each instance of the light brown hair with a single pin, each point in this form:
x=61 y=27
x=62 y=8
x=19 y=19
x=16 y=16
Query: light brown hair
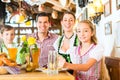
x=93 y=29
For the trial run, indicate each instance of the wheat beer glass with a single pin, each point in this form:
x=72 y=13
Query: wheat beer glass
x=52 y=63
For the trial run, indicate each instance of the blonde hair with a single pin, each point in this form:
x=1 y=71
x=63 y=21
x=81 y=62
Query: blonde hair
x=93 y=29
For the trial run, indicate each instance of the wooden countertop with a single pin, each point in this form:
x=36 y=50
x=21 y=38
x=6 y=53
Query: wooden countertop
x=38 y=76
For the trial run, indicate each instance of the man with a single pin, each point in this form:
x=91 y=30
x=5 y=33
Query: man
x=44 y=39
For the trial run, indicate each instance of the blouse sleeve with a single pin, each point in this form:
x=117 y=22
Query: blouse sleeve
x=97 y=52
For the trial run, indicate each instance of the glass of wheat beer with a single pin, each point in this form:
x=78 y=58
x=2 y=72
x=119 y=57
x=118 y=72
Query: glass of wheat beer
x=12 y=51
x=52 y=63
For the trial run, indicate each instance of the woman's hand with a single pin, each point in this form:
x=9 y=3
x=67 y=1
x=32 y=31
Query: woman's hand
x=61 y=61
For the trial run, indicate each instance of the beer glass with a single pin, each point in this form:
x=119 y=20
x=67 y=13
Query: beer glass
x=12 y=51
x=52 y=62
x=35 y=57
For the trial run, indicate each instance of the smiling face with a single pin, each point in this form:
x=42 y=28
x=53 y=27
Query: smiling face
x=84 y=33
x=43 y=24
x=8 y=36
x=68 y=22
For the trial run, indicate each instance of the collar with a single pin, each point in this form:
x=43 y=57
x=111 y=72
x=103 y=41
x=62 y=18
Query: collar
x=48 y=35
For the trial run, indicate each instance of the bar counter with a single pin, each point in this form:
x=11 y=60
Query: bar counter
x=38 y=76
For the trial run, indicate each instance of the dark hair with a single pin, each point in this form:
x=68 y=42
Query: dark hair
x=6 y=28
x=67 y=12
x=42 y=14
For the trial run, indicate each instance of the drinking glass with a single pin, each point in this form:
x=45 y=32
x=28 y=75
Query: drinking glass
x=12 y=52
x=35 y=57
x=52 y=63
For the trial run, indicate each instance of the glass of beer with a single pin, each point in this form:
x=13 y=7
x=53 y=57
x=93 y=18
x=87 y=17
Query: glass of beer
x=12 y=52
x=35 y=57
x=52 y=63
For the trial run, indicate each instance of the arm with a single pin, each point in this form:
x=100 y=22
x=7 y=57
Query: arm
x=74 y=73
x=81 y=67
x=95 y=56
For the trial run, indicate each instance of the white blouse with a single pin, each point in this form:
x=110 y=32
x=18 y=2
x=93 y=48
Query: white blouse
x=95 y=53
x=56 y=44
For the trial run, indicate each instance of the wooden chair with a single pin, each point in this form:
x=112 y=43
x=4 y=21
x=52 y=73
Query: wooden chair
x=113 y=66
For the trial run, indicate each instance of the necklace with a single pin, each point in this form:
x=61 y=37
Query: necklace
x=69 y=37
x=79 y=52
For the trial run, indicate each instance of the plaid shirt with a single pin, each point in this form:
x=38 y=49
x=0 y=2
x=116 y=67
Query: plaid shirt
x=45 y=46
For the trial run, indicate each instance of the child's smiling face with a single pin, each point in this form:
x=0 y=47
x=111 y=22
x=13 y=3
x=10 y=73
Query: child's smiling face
x=8 y=36
x=84 y=32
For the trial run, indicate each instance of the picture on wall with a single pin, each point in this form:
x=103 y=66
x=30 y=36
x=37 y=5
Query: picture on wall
x=118 y=35
x=118 y=4
x=108 y=28
x=107 y=8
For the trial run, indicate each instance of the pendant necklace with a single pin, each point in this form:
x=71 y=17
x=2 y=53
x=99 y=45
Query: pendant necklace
x=68 y=38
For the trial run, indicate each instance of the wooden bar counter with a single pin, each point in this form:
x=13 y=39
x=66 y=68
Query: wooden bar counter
x=38 y=76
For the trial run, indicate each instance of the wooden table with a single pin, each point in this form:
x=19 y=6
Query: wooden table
x=38 y=76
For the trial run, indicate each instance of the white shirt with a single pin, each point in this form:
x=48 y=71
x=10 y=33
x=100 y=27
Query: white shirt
x=96 y=53
x=56 y=44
